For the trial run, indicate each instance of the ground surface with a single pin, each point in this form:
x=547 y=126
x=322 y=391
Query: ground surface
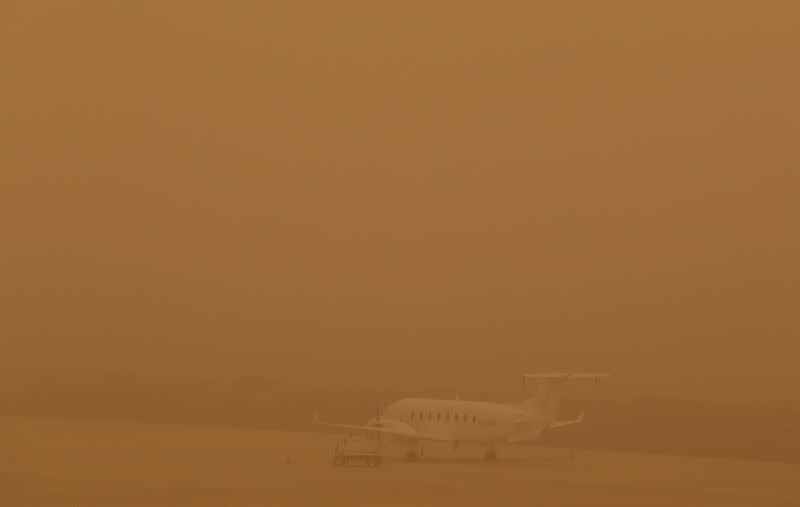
x=78 y=463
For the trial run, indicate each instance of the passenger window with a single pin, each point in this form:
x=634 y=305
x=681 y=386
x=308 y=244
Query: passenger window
x=447 y=416
x=412 y=415
x=455 y=417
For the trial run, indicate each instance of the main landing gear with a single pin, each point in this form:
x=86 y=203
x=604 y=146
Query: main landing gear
x=414 y=452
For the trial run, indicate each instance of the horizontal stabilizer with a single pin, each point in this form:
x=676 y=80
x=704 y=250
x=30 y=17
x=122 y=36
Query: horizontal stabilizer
x=544 y=403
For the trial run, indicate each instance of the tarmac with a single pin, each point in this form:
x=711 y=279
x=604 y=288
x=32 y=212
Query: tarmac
x=98 y=463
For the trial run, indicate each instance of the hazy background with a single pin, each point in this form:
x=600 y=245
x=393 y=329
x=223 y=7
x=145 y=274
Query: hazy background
x=432 y=193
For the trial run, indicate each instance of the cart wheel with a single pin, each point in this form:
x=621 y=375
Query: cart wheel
x=372 y=461
x=338 y=461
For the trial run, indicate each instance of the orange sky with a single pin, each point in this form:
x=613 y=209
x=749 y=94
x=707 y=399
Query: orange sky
x=429 y=193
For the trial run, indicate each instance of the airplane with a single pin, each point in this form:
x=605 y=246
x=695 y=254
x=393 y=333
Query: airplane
x=417 y=420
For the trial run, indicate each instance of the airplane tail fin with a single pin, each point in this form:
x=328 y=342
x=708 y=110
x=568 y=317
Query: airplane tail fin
x=547 y=397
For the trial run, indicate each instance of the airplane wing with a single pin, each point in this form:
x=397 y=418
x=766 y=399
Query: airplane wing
x=386 y=427
x=560 y=424
x=563 y=376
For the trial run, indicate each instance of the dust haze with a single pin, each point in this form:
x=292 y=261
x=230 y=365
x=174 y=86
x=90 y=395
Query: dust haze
x=366 y=200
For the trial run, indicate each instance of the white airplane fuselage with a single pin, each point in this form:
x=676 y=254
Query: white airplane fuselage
x=415 y=420
x=465 y=421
